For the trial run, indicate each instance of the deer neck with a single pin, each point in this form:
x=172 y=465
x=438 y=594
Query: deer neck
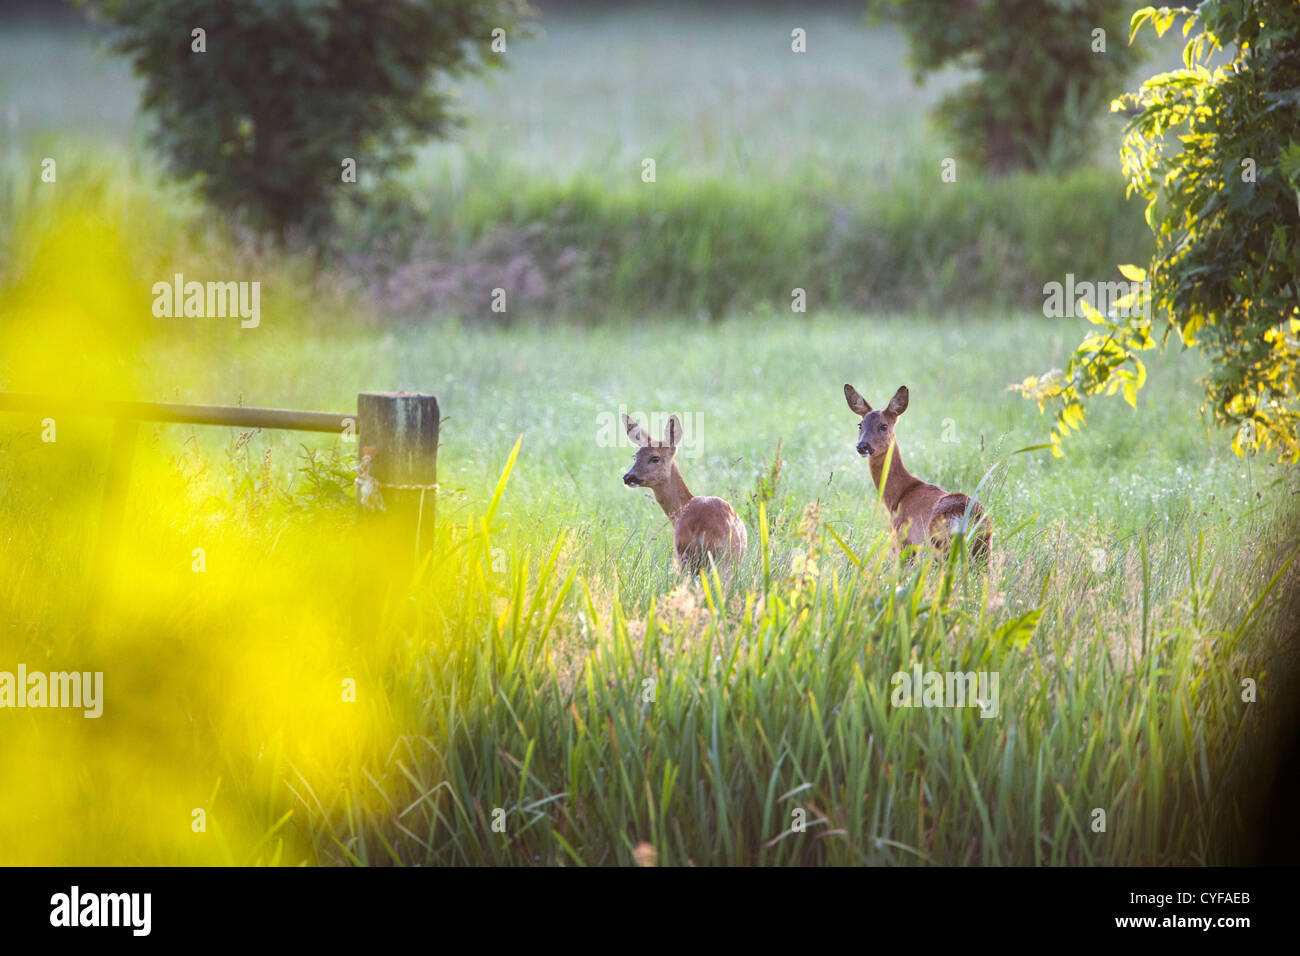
x=673 y=495
x=897 y=482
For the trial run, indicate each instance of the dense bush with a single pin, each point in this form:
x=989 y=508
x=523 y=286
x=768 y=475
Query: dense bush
x=1225 y=211
x=1044 y=73
x=282 y=94
x=712 y=248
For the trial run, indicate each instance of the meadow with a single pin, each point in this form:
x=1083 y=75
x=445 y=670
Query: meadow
x=546 y=690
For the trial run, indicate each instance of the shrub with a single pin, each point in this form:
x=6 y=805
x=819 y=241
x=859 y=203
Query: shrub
x=1044 y=73
x=281 y=94
x=713 y=248
x=1225 y=212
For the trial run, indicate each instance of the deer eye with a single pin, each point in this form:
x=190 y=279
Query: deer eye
x=654 y=460
x=884 y=427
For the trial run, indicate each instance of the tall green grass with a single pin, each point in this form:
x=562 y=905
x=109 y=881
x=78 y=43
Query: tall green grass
x=750 y=721
x=500 y=684
x=712 y=248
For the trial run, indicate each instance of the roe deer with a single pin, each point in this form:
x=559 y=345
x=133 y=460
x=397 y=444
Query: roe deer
x=921 y=511
x=701 y=526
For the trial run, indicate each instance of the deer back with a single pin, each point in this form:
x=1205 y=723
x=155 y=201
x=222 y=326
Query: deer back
x=708 y=525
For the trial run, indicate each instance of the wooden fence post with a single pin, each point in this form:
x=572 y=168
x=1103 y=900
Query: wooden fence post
x=401 y=428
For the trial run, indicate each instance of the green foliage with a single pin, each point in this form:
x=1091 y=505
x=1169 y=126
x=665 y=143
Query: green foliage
x=285 y=92
x=717 y=247
x=1225 y=212
x=808 y=202
x=1104 y=362
x=1044 y=75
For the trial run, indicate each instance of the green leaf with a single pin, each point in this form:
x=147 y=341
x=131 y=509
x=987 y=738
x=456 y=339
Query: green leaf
x=1016 y=633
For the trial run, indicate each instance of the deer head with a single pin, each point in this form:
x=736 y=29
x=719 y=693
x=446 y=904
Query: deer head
x=653 y=465
x=876 y=430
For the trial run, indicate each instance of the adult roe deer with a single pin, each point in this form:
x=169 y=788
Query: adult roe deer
x=921 y=511
x=701 y=526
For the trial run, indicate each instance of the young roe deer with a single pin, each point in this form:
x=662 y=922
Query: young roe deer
x=701 y=526
x=921 y=511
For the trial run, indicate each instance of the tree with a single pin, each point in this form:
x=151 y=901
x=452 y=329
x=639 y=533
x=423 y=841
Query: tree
x=263 y=103
x=1225 y=211
x=1045 y=73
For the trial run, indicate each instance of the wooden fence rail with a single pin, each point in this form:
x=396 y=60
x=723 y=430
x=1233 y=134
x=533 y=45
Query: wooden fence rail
x=234 y=415
x=397 y=430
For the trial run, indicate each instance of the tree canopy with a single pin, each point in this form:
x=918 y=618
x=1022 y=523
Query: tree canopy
x=263 y=104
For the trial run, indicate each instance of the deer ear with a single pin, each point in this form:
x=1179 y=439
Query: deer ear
x=898 y=404
x=856 y=402
x=673 y=433
x=636 y=432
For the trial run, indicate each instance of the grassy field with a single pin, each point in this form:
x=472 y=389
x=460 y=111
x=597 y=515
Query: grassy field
x=509 y=676
x=546 y=690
